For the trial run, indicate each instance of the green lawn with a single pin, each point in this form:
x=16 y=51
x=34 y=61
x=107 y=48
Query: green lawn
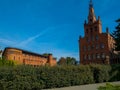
x=109 y=87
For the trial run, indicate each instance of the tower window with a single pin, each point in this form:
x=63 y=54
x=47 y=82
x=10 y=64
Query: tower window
x=96 y=28
x=90 y=20
x=91 y=30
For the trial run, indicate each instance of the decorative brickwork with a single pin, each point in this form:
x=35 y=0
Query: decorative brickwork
x=96 y=46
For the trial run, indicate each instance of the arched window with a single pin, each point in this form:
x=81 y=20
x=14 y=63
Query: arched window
x=14 y=58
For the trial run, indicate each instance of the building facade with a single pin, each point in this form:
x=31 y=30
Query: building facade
x=28 y=58
x=96 y=46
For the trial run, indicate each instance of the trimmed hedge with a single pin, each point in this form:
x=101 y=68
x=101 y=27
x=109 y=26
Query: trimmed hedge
x=36 y=78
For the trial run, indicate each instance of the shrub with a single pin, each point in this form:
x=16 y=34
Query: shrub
x=101 y=73
x=115 y=73
x=43 y=77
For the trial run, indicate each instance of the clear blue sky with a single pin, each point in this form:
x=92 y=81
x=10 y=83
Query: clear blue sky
x=51 y=26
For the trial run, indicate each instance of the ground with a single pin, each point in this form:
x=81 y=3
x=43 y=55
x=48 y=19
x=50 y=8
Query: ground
x=85 y=87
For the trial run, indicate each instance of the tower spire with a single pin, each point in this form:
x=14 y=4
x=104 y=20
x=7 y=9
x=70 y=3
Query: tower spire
x=91 y=4
x=91 y=16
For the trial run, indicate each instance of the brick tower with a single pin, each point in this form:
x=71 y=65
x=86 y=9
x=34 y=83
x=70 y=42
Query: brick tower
x=95 y=46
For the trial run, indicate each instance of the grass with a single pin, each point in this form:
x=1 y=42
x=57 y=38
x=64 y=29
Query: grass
x=109 y=87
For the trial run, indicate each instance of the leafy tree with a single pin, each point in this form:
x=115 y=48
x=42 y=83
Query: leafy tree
x=67 y=61
x=116 y=35
x=71 y=61
x=62 y=61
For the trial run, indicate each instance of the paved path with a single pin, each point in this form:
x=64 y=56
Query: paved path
x=84 y=87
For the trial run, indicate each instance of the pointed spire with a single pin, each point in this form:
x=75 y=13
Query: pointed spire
x=91 y=4
x=91 y=16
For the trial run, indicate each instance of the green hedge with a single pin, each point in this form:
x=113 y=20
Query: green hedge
x=4 y=62
x=36 y=78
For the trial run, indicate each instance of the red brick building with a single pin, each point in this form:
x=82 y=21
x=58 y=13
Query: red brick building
x=28 y=58
x=96 y=46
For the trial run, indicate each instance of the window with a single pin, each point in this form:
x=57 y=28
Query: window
x=89 y=57
x=85 y=57
x=91 y=30
x=95 y=28
x=97 y=56
x=102 y=55
x=97 y=46
x=88 y=39
x=89 y=48
x=14 y=57
x=84 y=48
x=93 y=56
x=96 y=37
x=92 y=47
x=92 y=38
x=102 y=45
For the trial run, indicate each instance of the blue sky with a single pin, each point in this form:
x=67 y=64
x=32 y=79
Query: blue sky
x=51 y=26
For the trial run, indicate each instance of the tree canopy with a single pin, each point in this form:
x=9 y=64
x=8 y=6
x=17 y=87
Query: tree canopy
x=116 y=35
x=67 y=61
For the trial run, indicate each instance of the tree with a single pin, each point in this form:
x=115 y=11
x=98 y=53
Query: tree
x=116 y=35
x=67 y=61
x=62 y=61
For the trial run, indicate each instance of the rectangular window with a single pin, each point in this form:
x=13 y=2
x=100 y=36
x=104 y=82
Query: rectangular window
x=97 y=46
x=89 y=57
x=102 y=45
x=96 y=37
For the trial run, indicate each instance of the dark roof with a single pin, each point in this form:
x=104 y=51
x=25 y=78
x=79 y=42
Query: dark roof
x=25 y=51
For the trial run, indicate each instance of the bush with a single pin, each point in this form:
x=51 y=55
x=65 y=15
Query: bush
x=115 y=73
x=36 y=78
x=4 y=62
x=101 y=73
